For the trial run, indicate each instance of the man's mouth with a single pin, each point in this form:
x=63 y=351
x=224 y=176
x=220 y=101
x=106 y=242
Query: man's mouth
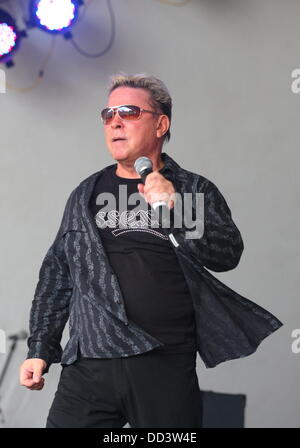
x=117 y=139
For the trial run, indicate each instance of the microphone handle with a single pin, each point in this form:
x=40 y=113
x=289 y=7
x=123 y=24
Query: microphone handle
x=158 y=208
x=144 y=174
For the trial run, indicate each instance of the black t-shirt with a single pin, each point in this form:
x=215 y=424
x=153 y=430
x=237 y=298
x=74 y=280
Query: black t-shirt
x=153 y=285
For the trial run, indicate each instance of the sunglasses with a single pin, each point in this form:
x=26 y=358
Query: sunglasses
x=125 y=112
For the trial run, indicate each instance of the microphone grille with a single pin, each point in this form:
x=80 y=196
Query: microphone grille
x=141 y=164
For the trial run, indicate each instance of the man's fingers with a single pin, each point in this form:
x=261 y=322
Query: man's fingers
x=37 y=374
x=171 y=204
x=38 y=386
x=27 y=383
x=30 y=384
x=141 y=188
x=26 y=376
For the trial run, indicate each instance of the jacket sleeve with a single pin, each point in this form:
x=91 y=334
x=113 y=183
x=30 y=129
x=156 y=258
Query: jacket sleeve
x=50 y=306
x=219 y=246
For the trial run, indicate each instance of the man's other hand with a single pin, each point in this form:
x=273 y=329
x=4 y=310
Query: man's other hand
x=31 y=372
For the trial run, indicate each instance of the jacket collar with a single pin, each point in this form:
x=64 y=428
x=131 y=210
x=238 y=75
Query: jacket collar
x=169 y=165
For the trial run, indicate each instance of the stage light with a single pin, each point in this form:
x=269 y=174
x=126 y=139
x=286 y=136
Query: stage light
x=9 y=36
x=54 y=16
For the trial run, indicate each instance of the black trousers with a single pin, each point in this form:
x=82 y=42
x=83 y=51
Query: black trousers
x=149 y=390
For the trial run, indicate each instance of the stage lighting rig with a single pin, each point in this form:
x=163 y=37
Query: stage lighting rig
x=9 y=37
x=54 y=16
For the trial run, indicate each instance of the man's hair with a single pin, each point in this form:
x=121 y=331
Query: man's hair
x=160 y=98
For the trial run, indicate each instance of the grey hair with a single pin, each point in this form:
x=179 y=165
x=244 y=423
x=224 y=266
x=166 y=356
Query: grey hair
x=160 y=98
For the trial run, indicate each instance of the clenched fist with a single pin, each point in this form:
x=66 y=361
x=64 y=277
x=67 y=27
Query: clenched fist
x=31 y=372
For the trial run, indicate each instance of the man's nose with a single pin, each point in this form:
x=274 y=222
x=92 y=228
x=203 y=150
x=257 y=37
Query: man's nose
x=116 y=122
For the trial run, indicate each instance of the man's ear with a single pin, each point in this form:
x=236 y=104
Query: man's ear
x=163 y=124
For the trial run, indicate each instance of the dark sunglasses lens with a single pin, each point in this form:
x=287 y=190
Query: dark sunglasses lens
x=107 y=115
x=129 y=112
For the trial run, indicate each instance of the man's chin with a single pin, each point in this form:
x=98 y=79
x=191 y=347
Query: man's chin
x=119 y=154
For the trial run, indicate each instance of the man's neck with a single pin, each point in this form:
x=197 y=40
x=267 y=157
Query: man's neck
x=128 y=171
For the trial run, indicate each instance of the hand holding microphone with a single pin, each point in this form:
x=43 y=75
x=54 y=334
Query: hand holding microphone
x=156 y=190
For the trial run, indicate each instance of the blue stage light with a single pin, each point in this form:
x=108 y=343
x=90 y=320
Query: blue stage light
x=9 y=36
x=54 y=16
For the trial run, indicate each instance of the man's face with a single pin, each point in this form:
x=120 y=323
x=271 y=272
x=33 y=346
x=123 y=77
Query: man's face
x=137 y=137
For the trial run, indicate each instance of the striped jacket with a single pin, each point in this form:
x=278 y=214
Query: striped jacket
x=76 y=282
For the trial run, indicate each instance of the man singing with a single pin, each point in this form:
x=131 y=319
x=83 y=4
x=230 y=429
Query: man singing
x=139 y=304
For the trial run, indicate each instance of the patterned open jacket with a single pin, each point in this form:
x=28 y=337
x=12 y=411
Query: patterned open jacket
x=77 y=282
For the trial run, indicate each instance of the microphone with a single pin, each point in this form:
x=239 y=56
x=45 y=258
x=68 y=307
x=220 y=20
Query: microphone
x=18 y=336
x=143 y=166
